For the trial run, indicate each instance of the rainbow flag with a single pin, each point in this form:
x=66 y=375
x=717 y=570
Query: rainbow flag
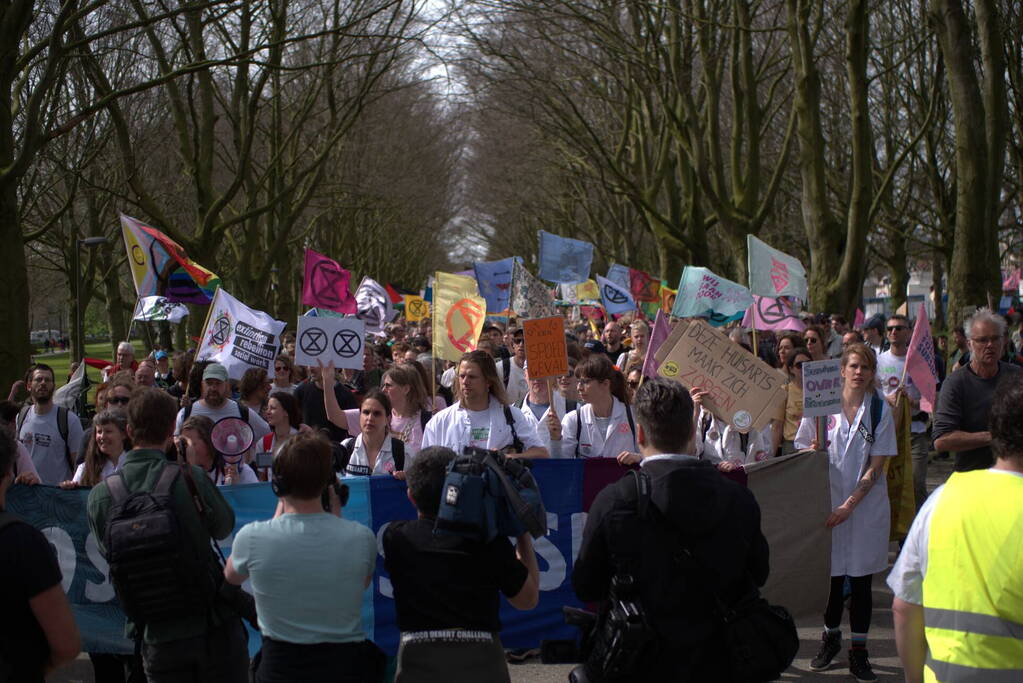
x=160 y=266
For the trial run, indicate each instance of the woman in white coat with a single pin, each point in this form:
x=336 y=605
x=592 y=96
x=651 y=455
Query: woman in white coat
x=722 y=444
x=859 y=439
x=481 y=416
x=603 y=427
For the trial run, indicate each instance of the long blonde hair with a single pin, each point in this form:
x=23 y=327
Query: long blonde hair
x=485 y=362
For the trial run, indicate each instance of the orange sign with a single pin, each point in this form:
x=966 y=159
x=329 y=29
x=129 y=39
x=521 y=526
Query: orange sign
x=546 y=353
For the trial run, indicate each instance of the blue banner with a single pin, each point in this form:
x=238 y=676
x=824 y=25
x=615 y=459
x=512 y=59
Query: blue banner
x=563 y=259
x=494 y=279
x=374 y=501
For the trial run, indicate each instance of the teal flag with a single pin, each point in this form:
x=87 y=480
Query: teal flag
x=774 y=273
x=702 y=294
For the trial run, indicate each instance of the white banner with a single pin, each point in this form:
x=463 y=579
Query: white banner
x=374 y=303
x=156 y=308
x=330 y=339
x=239 y=337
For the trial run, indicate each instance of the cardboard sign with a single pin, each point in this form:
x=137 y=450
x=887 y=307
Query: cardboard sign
x=330 y=339
x=743 y=390
x=822 y=387
x=546 y=353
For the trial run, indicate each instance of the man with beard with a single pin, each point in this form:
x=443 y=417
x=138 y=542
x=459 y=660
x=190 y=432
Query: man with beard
x=50 y=433
x=216 y=405
x=612 y=339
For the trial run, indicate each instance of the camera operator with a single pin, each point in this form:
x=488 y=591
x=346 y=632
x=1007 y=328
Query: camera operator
x=446 y=587
x=309 y=569
x=482 y=416
x=691 y=506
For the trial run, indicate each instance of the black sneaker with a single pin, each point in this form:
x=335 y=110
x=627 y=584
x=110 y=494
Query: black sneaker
x=831 y=644
x=859 y=665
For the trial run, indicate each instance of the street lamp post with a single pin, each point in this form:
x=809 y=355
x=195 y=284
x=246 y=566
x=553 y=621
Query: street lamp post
x=78 y=347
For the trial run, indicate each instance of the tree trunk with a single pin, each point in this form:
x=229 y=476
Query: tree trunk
x=980 y=115
x=114 y=300
x=937 y=274
x=899 y=269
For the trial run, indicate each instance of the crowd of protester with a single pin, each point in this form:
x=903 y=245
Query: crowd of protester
x=405 y=414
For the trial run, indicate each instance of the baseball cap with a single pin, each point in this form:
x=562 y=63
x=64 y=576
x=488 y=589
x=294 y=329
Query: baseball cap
x=215 y=371
x=160 y=354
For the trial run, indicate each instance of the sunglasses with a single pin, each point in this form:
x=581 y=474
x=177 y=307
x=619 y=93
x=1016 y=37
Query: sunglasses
x=896 y=328
x=119 y=400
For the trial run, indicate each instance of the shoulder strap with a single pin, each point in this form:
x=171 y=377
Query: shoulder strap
x=268 y=441
x=398 y=453
x=115 y=485
x=193 y=490
x=876 y=406
x=349 y=445
x=507 y=371
x=21 y=416
x=578 y=429
x=424 y=417
x=632 y=423
x=642 y=491
x=243 y=411
x=62 y=428
x=166 y=480
x=510 y=419
x=188 y=411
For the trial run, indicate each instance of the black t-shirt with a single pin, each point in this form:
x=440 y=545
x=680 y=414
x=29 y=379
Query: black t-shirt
x=28 y=566
x=310 y=397
x=445 y=581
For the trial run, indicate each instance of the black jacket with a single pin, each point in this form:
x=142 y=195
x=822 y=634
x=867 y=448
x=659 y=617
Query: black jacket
x=690 y=504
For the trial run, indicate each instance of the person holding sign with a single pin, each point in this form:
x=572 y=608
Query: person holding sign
x=603 y=427
x=482 y=417
x=541 y=409
x=859 y=439
x=720 y=443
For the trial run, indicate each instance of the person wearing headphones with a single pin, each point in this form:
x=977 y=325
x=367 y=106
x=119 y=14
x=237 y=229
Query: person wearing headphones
x=308 y=569
x=603 y=427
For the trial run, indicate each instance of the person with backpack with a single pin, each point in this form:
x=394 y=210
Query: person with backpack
x=481 y=416
x=373 y=450
x=308 y=569
x=603 y=427
x=859 y=439
x=49 y=432
x=542 y=410
x=38 y=631
x=513 y=368
x=216 y=405
x=155 y=521
x=691 y=542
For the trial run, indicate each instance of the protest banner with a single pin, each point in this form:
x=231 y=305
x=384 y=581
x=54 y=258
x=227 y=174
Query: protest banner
x=920 y=361
x=160 y=266
x=563 y=259
x=743 y=390
x=822 y=387
x=619 y=274
x=668 y=296
x=617 y=300
x=458 y=315
x=494 y=279
x=587 y=291
x=159 y=308
x=645 y=287
x=239 y=337
x=416 y=308
x=326 y=284
x=530 y=298
x=769 y=313
x=546 y=351
x=658 y=335
x=374 y=305
x=773 y=272
x=788 y=492
x=324 y=340
x=701 y=293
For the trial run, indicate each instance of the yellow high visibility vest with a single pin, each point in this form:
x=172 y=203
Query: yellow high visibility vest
x=973 y=585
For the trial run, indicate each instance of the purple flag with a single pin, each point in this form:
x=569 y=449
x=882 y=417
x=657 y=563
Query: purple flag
x=657 y=336
x=326 y=284
x=768 y=313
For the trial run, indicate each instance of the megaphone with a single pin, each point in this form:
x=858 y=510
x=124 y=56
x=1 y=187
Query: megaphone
x=232 y=436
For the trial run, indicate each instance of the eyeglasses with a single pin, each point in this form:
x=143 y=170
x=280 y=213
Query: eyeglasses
x=119 y=400
x=811 y=340
x=896 y=328
x=280 y=368
x=983 y=341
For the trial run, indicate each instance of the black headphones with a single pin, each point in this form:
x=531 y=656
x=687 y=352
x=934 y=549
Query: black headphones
x=280 y=487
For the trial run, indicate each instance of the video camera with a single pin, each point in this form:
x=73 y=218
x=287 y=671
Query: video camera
x=486 y=494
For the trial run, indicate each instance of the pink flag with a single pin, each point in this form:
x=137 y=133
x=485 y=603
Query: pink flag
x=1010 y=281
x=920 y=361
x=859 y=319
x=657 y=336
x=326 y=284
x=767 y=313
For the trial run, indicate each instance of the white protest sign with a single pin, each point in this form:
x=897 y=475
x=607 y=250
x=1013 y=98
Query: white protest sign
x=822 y=387
x=328 y=339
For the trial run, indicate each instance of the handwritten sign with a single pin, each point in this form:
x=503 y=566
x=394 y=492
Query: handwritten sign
x=822 y=387
x=546 y=353
x=742 y=390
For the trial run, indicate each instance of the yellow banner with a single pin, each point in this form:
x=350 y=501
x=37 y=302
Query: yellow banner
x=459 y=312
x=416 y=308
x=899 y=472
x=587 y=290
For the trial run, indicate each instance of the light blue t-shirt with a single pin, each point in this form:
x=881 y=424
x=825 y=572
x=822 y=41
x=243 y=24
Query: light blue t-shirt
x=308 y=573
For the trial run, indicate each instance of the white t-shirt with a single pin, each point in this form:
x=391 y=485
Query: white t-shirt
x=229 y=409
x=108 y=469
x=358 y=465
x=41 y=437
x=889 y=372
x=245 y=476
x=480 y=434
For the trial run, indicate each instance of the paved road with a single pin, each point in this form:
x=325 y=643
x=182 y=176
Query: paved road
x=883 y=654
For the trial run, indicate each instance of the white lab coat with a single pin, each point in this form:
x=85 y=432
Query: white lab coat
x=542 y=432
x=723 y=442
x=859 y=546
x=593 y=444
x=452 y=428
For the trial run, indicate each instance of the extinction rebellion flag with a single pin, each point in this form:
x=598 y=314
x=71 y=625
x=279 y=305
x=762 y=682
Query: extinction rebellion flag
x=239 y=337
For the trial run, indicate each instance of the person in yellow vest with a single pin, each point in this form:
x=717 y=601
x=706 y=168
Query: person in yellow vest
x=958 y=582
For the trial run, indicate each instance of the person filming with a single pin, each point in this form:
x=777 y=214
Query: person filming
x=309 y=569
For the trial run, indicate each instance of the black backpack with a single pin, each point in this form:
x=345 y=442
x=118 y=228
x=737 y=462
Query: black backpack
x=156 y=573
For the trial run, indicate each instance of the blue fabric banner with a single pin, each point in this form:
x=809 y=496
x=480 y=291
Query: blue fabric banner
x=619 y=275
x=494 y=279
x=563 y=259
x=373 y=501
